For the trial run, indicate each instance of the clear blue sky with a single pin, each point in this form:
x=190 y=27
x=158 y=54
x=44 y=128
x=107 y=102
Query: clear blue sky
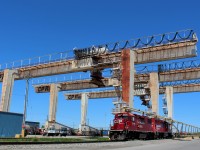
x=38 y=27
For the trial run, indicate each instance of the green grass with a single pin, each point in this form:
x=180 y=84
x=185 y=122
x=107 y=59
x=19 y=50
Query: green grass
x=67 y=140
x=99 y=138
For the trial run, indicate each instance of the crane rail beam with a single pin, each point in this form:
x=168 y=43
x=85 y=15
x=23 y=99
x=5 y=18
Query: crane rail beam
x=137 y=92
x=172 y=75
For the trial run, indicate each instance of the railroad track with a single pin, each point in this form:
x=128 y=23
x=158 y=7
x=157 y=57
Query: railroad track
x=35 y=143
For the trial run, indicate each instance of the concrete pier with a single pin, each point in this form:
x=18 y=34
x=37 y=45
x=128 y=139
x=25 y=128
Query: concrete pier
x=53 y=102
x=154 y=92
x=169 y=98
x=127 y=65
x=84 y=106
x=7 y=87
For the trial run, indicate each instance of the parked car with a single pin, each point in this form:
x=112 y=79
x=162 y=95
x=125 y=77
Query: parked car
x=64 y=131
x=51 y=131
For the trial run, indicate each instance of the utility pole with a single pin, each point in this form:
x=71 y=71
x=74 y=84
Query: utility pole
x=105 y=120
x=25 y=107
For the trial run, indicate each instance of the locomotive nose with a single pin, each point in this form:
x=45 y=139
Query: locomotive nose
x=118 y=121
x=118 y=124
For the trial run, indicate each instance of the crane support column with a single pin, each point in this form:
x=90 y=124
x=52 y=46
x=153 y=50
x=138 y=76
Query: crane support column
x=169 y=98
x=127 y=63
x=7 y=87
x=53 y=102
x=84 y=106
x=154 y=91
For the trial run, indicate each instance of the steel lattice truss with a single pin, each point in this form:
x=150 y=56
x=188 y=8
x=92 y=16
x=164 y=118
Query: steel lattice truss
x=181 y=82
x=191 y=64
x=150 y=41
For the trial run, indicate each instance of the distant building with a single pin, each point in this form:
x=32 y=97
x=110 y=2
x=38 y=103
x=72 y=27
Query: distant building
x=10 y=124
x=33 y=124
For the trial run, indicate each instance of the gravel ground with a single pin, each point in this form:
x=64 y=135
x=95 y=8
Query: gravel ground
x=136 y=144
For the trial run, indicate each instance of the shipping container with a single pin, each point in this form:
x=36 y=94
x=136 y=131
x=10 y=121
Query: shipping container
x=10 y=124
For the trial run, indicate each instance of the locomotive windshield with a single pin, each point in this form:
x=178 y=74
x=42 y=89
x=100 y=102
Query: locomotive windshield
x=122 y=116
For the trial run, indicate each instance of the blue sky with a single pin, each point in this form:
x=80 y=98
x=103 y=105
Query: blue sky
x=39 y=27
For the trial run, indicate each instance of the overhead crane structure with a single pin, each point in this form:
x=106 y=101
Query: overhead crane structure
x=120 y=56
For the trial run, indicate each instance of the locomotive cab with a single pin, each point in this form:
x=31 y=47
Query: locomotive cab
x=120 y=124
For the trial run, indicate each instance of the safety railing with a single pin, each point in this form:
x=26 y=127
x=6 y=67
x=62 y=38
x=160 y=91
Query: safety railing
x=51 y=58
x=89 y=90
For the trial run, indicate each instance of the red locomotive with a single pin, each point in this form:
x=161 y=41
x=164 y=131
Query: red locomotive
x=132 y=126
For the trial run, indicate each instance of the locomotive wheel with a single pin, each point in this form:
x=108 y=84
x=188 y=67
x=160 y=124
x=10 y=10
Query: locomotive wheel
x=121 y=137
x=114 y=137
